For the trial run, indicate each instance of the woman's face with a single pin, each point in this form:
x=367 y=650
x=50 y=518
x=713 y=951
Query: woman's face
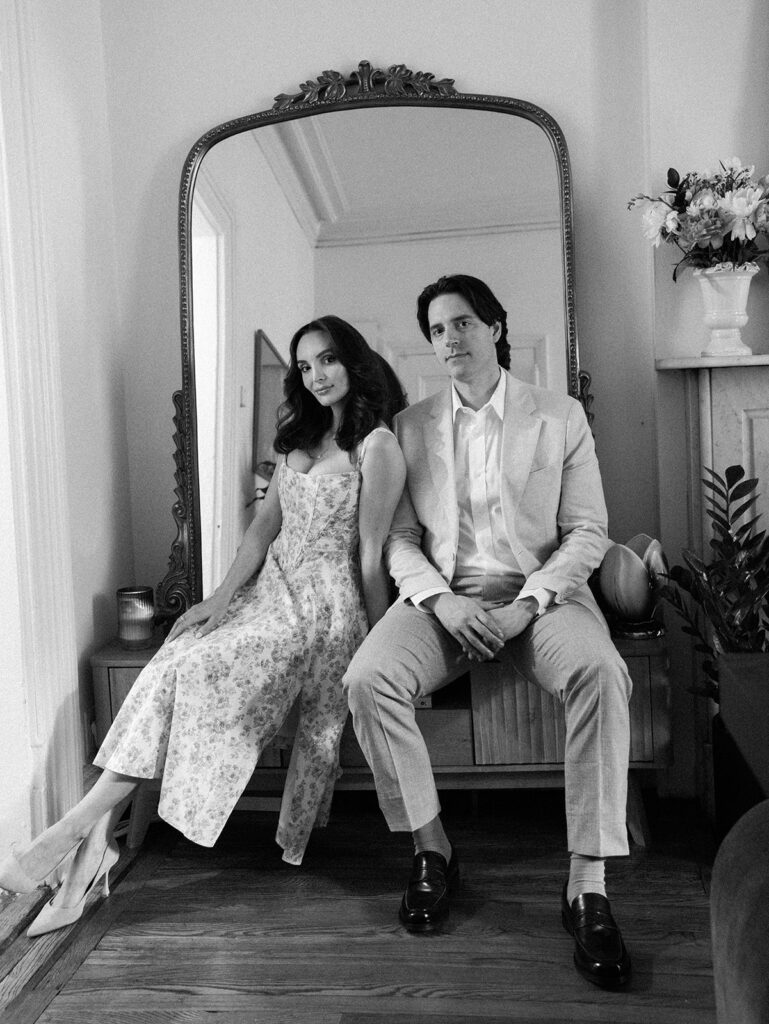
x=321 y=370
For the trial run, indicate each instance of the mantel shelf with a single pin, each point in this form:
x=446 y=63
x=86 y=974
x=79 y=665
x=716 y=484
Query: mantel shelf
x=708 y=362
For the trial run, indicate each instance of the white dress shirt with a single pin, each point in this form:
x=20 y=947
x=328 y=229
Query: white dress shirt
x=483 y=547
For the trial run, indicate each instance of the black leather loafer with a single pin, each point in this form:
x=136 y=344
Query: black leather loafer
x=425 y=904
x=599 y=952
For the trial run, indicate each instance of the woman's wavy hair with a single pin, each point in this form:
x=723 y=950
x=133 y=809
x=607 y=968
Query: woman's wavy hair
x=375 y=394
x=485 y=303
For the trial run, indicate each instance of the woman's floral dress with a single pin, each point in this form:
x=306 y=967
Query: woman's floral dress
x=203 y=709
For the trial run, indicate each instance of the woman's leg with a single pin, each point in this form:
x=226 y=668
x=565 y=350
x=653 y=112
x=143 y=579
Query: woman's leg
x=88 y=857
x=44 y=854
x=314 y=762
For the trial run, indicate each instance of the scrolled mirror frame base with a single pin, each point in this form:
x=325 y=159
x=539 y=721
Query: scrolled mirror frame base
x=585 y=395
x=173 y=594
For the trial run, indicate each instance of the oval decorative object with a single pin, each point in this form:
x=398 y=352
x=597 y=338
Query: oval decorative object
x=625 y=584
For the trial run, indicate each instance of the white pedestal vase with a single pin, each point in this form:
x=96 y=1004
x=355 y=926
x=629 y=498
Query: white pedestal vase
x=725 y=295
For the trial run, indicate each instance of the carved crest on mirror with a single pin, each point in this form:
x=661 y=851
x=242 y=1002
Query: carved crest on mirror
x=366 y=86
x=396 y=81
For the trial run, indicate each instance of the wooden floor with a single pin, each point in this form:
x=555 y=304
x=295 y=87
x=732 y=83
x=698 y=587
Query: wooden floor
x=233 y=935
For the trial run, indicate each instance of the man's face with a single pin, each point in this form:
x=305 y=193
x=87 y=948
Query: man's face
x=462 y=342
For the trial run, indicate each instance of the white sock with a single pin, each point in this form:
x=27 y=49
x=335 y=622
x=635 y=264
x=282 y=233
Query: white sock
x=435 y=846
x=586 y=874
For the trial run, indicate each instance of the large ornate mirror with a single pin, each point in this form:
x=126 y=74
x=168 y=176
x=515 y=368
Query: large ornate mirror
x=347 y=198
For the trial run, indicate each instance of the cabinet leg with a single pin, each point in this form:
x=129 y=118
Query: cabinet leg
x=637 y=824
x=143 y=808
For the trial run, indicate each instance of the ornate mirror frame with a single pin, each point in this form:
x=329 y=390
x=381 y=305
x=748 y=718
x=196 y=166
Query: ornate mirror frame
x=364 y=87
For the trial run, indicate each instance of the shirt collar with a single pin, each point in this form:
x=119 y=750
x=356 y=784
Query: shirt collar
x=496 y=402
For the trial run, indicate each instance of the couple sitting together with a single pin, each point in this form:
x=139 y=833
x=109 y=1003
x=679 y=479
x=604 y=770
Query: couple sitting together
x=486 y=506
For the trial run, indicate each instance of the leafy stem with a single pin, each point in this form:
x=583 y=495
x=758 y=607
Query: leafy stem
x=724 y=603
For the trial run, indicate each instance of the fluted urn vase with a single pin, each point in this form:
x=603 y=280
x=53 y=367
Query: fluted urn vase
x=725 y=297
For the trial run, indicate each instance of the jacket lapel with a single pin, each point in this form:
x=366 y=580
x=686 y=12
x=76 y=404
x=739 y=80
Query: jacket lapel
x=439 y=446
x=520 y=433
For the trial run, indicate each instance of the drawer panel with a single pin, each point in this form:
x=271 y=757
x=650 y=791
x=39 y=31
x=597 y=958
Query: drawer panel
x=120 y=682
x=518 y=723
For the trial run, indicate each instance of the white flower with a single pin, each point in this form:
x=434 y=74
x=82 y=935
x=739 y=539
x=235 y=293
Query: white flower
x=704 y=200
x=735 y=166
x=657 y=220
x=739 y=209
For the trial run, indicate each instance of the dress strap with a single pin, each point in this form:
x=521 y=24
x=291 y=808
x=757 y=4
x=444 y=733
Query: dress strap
x=365 y=441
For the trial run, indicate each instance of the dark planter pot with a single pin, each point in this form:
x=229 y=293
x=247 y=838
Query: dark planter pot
x=740 y=737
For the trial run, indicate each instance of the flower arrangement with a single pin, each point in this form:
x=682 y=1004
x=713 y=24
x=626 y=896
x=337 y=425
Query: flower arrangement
x=716 y=220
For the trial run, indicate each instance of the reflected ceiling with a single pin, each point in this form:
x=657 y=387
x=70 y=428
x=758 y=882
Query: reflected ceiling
x=352 y=177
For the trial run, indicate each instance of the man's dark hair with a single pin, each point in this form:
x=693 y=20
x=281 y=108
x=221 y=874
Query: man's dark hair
x=484 y=302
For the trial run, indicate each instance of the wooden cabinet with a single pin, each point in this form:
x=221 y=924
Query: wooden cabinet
x=517 y=724
x=491 y=729
x=114 y=671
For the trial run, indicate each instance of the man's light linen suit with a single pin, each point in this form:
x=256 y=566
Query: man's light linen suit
x=555 y=518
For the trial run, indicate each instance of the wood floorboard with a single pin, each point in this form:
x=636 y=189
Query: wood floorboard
x=562 y=1006
x=232 y=935
x=682 y=932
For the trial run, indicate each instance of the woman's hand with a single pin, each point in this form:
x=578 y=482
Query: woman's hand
x=209 y=612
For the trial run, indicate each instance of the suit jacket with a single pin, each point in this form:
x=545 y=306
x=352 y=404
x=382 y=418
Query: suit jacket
x=551 y=494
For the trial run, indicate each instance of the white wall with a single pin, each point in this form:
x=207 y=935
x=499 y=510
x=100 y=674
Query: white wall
x=77 y=198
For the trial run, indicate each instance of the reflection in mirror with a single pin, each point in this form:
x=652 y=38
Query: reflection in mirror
x=352 y=212
x=269 y=372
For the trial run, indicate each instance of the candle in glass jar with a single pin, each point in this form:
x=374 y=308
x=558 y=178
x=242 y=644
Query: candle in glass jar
x=135 y=616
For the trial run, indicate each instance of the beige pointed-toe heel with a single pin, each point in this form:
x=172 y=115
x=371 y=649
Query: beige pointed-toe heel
x=14 y=878
x=52 y=917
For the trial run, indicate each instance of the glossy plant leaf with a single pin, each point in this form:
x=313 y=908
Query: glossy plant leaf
x=724 y=603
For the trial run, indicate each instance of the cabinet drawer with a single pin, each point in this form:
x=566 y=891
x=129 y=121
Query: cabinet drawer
x=120 y=682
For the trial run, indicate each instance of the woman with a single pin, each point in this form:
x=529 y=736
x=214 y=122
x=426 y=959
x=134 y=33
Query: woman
x=306 y=584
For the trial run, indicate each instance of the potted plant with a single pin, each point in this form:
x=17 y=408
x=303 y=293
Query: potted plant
x=724 y=604
x=716 y=221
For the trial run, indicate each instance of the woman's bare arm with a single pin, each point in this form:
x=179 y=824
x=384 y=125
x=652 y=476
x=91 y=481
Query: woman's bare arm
x=383 y=475
x=251 y=554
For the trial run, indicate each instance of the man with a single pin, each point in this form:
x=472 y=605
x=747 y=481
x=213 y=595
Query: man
x=500 y=525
